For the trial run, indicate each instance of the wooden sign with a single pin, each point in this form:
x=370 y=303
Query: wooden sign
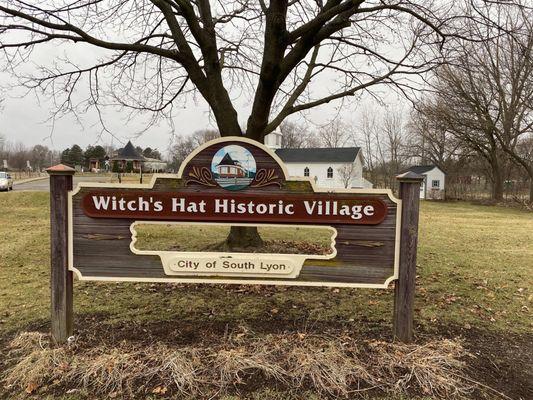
x=234 y=181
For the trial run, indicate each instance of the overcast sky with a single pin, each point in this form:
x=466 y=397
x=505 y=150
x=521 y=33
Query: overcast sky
x=25 y=118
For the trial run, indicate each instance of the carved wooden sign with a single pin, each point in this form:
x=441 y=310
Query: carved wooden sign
x=235 y=182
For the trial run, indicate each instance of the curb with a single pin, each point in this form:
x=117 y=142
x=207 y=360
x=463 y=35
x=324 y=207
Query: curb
x=29 y=180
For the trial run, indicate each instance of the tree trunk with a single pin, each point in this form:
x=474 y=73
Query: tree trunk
x=497 y=177
x=243 y=238
x=497 y=185
x=529 y=169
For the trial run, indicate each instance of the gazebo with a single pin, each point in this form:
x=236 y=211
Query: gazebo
x=126 y=155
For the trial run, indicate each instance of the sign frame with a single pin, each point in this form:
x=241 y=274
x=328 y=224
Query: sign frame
x=253 y=256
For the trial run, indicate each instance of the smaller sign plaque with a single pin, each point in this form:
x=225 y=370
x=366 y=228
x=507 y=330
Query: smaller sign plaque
x=239 y=266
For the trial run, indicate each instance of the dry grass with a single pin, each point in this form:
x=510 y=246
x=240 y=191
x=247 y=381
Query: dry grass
x=232 y=365
x=326 y=365
x=434 y=368
x=37 y=362
x=175 y=366
x=109 y=372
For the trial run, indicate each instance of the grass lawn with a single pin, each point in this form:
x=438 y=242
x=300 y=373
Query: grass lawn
x=475 y=279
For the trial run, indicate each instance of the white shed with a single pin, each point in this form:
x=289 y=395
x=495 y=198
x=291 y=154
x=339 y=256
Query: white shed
x=433 y=186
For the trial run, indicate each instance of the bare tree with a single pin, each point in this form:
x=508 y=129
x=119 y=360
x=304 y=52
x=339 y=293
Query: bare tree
x=4 y=153
x=383 y=136
x=3 y=143
x=507 y=64
x=364 y=134
x=203 y=136
x=156 y=52
x=19 y=157
x=40 y=157
x=347 y=173
x=429 y=142
x=297 y=136
x=180 y=149
x=335 y=134
x=276 y=50
x=484 y=97
x=459 y=117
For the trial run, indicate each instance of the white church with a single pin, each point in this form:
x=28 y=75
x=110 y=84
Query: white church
x=331 y=168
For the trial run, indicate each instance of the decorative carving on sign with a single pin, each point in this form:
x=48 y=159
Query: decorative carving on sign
x=265 y=178
x=201 y=175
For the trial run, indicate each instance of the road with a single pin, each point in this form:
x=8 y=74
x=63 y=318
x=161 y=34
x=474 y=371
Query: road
x=43 y=185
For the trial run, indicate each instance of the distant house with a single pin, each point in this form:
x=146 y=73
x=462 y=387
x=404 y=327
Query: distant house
x=228 y=168
x=154 y=165
x=95 y=164
x=126 y=155
x=433 y=186
x=332 y=168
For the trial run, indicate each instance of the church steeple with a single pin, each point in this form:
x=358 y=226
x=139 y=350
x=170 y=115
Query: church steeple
x=273 y=140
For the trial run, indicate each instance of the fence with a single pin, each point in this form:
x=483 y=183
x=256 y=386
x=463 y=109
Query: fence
x=480 y=189
x=19 y=175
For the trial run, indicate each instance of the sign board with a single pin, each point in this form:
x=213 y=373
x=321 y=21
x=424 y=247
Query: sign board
x=235 y=182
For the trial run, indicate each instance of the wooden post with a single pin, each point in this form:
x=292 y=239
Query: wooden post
x=404 y=290
x=61 y=277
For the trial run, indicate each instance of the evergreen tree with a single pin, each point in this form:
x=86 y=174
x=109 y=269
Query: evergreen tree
x=65 y=157
x=99 y=153
x=76 y=155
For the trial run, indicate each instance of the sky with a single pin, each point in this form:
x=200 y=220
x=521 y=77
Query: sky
x=26 y=120
x=25 y=117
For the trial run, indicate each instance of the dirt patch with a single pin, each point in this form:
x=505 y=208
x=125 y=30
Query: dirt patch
x=501 y=361
x=504 y=363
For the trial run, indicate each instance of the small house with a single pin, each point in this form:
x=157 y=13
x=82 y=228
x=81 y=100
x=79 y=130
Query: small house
x=154 y=165
x=228 y=168
x=94 y=165
x=433 y=185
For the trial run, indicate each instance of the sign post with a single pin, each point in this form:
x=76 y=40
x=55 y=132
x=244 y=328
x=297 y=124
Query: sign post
x=61 y=277
x=233 y=182
x=404 y=289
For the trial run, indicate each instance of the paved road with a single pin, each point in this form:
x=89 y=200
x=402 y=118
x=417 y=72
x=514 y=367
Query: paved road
x=43 y=185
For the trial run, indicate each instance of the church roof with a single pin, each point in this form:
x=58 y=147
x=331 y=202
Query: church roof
x=128 y=153
x=319 y=155
x=227 y=160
